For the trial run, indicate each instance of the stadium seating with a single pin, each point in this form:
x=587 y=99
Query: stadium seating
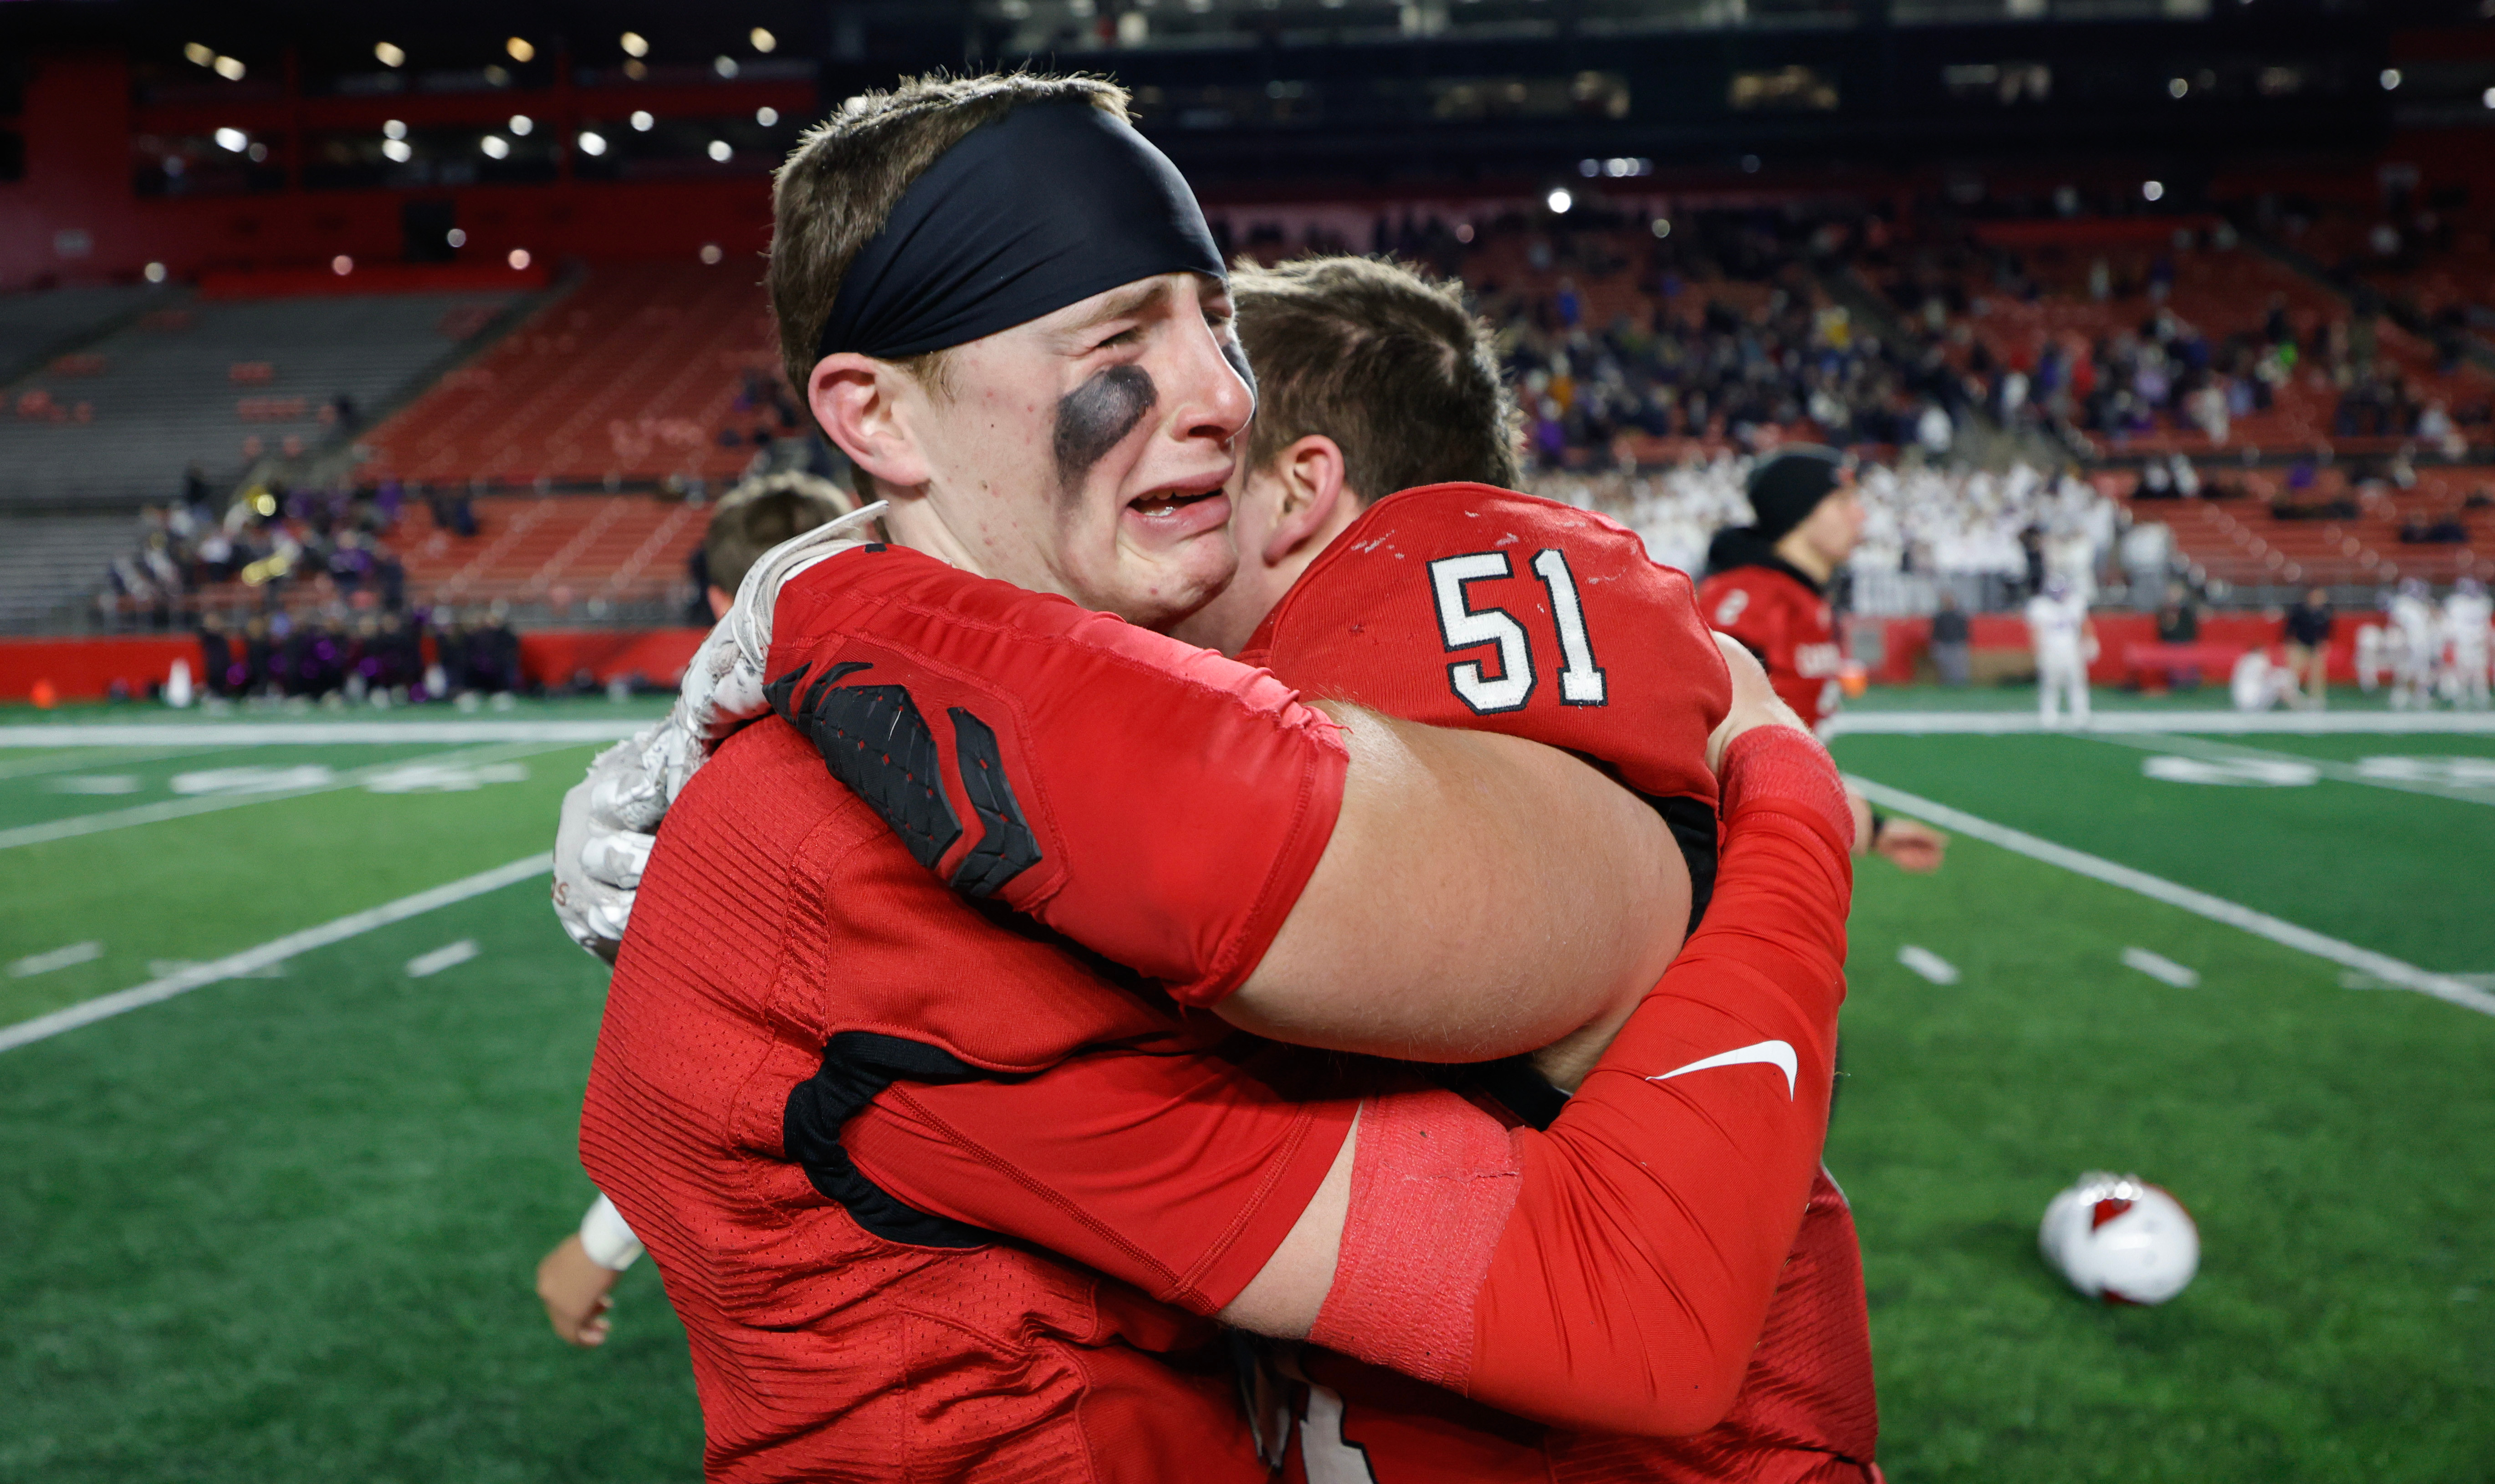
x=2245 y=543
x=556 y=551
x=194 y=380
x=2218 y=292
x=36 y=327
x=631 y=378
x=50 y=561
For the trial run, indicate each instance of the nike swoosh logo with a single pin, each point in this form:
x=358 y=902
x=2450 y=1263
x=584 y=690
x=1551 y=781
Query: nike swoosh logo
x=1774 y=1053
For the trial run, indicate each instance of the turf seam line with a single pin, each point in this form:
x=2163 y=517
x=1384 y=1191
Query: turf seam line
x=275 y=950
x=2217 y=909
x=2335 y=769
x=2213 y=723
x=72 y=827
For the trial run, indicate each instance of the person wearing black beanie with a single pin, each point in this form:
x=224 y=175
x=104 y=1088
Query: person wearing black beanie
x=1794 y=525
x=1766 y=586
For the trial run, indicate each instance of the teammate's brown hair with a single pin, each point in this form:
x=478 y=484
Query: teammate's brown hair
x=1385 y=361
x=760 y=514
x=839 y=187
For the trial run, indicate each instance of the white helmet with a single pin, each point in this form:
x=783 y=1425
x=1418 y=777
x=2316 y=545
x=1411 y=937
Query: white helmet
x=2120 y=1239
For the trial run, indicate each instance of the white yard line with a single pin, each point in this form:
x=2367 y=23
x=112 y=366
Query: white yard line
x=2405 y=976
x=447 y=957
x=1928 y=964
x=58 y=959
x=182 y=808
x=2213 y=723
x=2159 y=966
x=119 y=758
x=275 y=952
x=255 y=734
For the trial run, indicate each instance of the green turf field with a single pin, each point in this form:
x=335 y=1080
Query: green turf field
x=282 y=1227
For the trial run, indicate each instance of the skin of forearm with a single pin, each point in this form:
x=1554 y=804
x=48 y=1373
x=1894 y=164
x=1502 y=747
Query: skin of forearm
x=1481 y=897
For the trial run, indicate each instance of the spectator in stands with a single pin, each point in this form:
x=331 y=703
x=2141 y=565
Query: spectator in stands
x=220 y=668
x=1950 y=650
x=2308 y=650
x=2178 y=622
x=2178 y=617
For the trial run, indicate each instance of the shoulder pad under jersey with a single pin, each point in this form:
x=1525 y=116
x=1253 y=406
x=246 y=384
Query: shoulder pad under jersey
x=1463 y=605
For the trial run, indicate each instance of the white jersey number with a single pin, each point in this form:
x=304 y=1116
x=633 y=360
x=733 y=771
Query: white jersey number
x=1463 y=627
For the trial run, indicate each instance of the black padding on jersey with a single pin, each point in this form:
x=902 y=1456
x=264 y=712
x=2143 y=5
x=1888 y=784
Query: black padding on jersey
x=857 y=1065
x=1520 y=1089
x=874 y=741
x=1007 y=846
x=1692 y=823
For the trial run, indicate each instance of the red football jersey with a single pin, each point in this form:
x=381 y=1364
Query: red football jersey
x=1787 y=623
x=824 y=1219
x=789 y=959
x=1805 y=1414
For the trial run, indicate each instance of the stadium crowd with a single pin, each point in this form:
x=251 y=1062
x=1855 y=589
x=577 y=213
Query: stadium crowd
x=1989 y=541
x=298 y=592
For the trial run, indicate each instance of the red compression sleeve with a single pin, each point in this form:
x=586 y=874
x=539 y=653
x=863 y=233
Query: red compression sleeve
x=1159 y=804
x=1613 y=1273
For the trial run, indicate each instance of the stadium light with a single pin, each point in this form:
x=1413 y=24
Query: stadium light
x=388 y=55
x=519 y=49
x=2487 y=98
x=520 y=258
x=1560 y=201
x=398 y=151
x=724 y=64
x=393 y=129
x=634 y=45
x=2390 y=78
x=711 y=255
x=342 y=265
x=2152 y=190
x=2176 y=87
x=766 y=116
x=154 y=272
x=1589 y=168
x=232 y=140
x=229 y=68
x=201 y=56
x=521 y=123
x=764 y=41
x=495 y=147
x=457 y=237
x=641 y=121
x=592 y=143
x=720 y=150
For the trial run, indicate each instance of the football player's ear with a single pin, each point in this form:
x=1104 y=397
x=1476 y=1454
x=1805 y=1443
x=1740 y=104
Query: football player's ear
x=1310 y=473
x=859 y=401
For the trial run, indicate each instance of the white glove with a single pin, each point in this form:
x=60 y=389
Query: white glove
x=610 y=817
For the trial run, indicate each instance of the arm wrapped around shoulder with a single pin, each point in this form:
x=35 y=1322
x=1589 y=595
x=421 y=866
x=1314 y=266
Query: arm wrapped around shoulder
x=1159 y=803
x=1619 y=1265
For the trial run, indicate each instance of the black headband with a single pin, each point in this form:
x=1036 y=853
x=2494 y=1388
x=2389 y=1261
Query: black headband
x=1046 y=206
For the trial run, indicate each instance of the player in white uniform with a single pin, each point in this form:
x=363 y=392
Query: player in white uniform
x=2057 y=620
x=2418 y=625
x=2467 y=616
